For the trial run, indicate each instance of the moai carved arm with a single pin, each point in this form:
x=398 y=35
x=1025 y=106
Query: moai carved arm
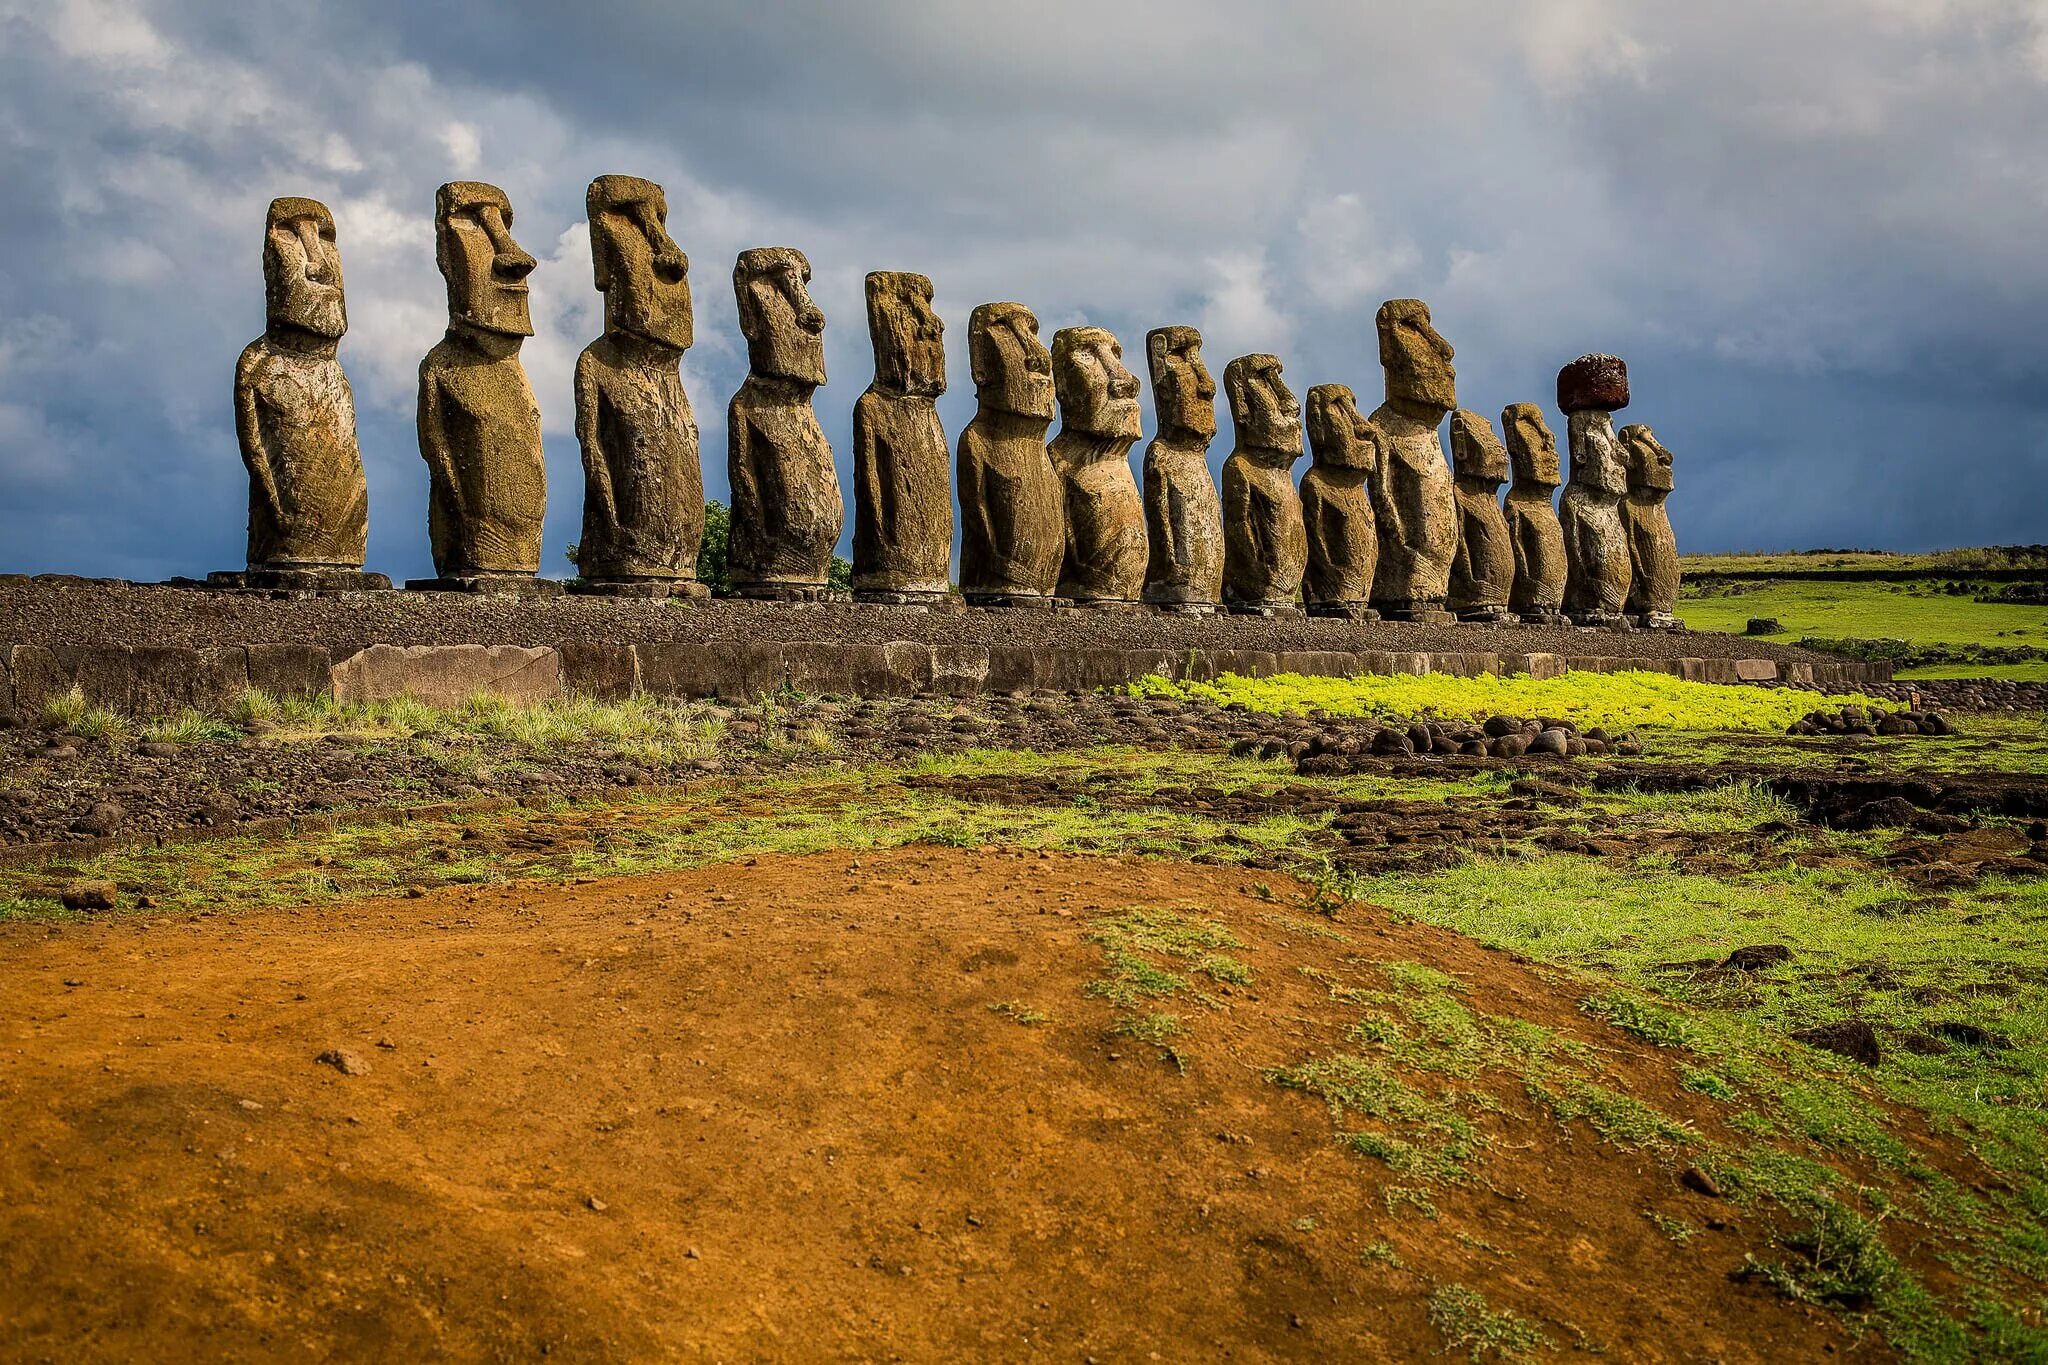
x=433 y=431
x=249 y=428
x=589 y=434
x=870 y=489
x=1168 y=526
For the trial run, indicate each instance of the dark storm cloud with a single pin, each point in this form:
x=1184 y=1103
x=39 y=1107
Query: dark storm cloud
x=1814 y=233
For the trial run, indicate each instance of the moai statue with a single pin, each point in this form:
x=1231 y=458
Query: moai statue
x=1265 y=544
x=479 y=426
x=1412 y=495
x=1483 y=572
x=902 y=491
x=1538 y=594
x=1104 y=562
x=1015 y=529
x=1336 y=506
x=1653 y=550
x=309 y=508
x=643 y=488
x=1183 y=514
x=786 y=510
x=1589 y=391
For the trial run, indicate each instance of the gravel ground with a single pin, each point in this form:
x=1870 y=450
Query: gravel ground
x=49 y=611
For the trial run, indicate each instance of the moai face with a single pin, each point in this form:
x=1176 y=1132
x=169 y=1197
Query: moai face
x=1097 y=395
x=1531 y=445
x=909 y=339
x=1476 y=453
x=1262 y=407
x=1416 y=359
x=785 y=332
x=302 y=269
x=1649 y=463
x=1012 y=368
x=1183 y=390
x=485 y=269
x=643 y=274
x=1339 y=436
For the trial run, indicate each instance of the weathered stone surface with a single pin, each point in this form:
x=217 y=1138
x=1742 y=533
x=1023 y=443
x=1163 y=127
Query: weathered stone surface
x=479 y=427
x=1413 y=499
x=1538 y=592
x=643 y=484
x=1265 y=544
x=1653 y=549
x=1336 y=505
x=847 y=670
x=446 y=675
x=1593 y=383
x=1483 y=570
x=1104 y=559
x=1595 y=541
x=902 y=498
x=734 y=672
x=1011 y=504
x=1183 y=512
x=291 y=670
x=150 y=680
x=295 y=415
x=592 y=669
x=786 y=508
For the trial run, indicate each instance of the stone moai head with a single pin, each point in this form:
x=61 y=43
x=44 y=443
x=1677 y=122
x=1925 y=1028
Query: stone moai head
x=643 y=274
x=1262 y=407
x=1416 y=359
x=1476 y=453
x=1649 y=463
x=302 y=269
x=785 y=332
x=909 y=339
x=1593 y=383
x=1183 y=390
x=485 y=269
x=1530 y=445
x=1012 y=368
x=1097 y=395
x=1339 y=436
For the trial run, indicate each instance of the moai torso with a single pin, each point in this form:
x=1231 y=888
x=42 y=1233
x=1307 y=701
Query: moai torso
x=1413 y=496
x=295 y=416
x=786 y=508
x=1653 y=549
x=643 y=498
x=1531 y=513
x=902 y=498
x=1011 y=502
x=1336 y=505
x=1104 y=559
x=1265 y=543
x=479 y=427
x=1183 y=514
x=1597 y=579
x=1483 y=571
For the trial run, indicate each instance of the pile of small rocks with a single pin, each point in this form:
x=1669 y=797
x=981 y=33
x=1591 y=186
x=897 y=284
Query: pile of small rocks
x=1856 y=720
x=1949 y=694
x=1332 y=750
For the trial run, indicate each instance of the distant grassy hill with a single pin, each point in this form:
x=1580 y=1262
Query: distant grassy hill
x=2000 y=559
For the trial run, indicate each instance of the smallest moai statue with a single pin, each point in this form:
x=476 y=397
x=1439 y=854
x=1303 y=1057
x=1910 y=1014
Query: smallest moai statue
x=1590 y=391
x=1265 y=544
x=1336 y=506
x=1483 y=571
x=1531 y=511
x=1104 y=562
x=902 y=479
x=1653 y=549
x=1183 y=514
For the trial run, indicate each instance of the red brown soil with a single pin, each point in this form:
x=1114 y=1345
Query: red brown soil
x=767 y=1111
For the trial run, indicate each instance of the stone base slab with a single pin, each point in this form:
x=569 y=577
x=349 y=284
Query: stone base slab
x=656 y=589
x=1015 y=601
x=898 y=597
x=1543 y=618
x=1271 y=611
x=313 y=581
x=1486 y=616
x=1598 y=620
x=1343 y=611
x=497 y=585
x=790 y=592
x=1420 y=616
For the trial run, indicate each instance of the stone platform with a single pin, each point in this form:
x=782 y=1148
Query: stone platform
x=151 y=649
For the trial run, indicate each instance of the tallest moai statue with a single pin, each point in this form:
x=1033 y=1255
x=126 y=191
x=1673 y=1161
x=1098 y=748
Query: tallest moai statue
x=309 y=507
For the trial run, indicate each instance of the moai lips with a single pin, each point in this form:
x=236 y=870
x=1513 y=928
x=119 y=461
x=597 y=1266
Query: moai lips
x=1653 y=549
x=902 y=498
x=1413 y=498
x=1011 y=503
x=1183 y=513
x=786 y=507
x=1595 y=538
x=643 y=499
x=1265 y=544
x=1104 y=561
x=1538 y=593
x=1336 y=506
x=1483 y=572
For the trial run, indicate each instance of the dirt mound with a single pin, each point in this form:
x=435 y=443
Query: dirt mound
x=815 y=1107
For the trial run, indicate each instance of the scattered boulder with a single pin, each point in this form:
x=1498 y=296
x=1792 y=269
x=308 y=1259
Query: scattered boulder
x=87 y=895
x=1763 y=625
x=347 y=1062
x=1851 y=1038
x=1757 y=957
x=1550 y=741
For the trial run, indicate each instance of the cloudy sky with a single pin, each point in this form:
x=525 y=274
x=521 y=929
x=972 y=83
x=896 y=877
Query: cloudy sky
x=1814 y=230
